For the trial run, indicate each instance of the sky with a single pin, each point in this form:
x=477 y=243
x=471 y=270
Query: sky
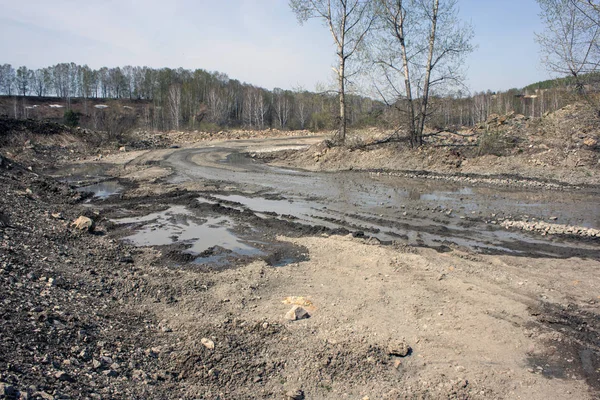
x=255 y=41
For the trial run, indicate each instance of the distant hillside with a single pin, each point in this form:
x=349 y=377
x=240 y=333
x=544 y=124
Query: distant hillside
x=569 y=81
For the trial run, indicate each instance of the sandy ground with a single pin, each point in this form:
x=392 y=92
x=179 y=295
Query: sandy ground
x=479 y=326
x=469 y=319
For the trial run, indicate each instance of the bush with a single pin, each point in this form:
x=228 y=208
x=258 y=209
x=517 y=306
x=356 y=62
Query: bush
x=71 y=118
x=495 y=143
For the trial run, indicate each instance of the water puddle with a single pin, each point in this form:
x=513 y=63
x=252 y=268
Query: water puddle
x=210 y=238
x=80 y=172
x=102 y=190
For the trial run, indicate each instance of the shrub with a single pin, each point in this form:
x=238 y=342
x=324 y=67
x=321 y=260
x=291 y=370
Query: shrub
x=495 y=143
x=71 y=118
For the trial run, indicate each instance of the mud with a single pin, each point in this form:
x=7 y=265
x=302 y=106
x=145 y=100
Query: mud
x=218 y=245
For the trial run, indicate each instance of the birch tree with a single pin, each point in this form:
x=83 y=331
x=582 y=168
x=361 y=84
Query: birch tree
x=419 y=51
x=175 y=105
x=348 y=21
x=570 y=41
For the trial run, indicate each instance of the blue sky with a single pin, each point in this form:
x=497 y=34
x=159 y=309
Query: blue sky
x=258 y=42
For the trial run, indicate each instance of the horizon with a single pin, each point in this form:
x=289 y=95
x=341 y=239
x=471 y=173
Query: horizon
x=261 y=45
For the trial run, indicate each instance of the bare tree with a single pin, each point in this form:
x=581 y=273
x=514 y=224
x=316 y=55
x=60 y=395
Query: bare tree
x=569 y=43
x=175 y=105
x=7 y=78
x=302 y=107
x=420 y=48
x=24 y=77
x=349 y=21
x=282 y=106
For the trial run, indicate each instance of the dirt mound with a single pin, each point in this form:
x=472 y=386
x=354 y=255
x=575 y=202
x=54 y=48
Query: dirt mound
x=560 y=147
x=11 y=126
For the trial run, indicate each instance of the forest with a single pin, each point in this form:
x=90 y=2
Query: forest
x=400 y=65
x=174 y=99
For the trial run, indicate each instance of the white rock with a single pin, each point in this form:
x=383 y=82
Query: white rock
x=209 y=344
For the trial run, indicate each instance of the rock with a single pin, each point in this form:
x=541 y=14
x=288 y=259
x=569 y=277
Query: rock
x=83 y=223
x=209 y=344
x=122 y=149
x=296 y=394
x=111 y=373
x=106 y=360
x=43 y=395
x=590 y=142
x=139 y=375
x=63 y=376
x=297 y=313
x=85 y=355
x=400 y=349
x=7 y=390
x=96 y=364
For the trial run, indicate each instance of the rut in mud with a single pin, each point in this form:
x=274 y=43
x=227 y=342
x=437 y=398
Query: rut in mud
x=253 y=202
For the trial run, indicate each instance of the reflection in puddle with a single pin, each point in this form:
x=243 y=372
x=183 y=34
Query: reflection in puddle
x=179 y=225
x=103 y=190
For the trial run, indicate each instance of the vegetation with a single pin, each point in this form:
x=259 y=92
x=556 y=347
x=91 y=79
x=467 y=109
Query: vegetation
x=414 y=50
x=71 y=118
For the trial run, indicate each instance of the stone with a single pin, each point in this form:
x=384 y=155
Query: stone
x=83 y=223
x=139 y=375
x=43 y=395
x=63 y=376
x=209 y=344
x=295 y=394
x=111 y=373
x=7 y=390
x=85 y=354
x=590 y=142
x=297 y=313
x=96 y=364
x=399 y=349
x=122 y=149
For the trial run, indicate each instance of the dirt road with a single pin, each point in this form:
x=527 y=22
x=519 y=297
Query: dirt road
x=414 y=288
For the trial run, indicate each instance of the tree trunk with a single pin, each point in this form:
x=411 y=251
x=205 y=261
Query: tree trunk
x=341 y=78
x=425 y=99
x=406 y=71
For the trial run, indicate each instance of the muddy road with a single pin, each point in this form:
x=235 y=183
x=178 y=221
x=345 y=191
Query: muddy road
x=419 y=212
x=494 y=288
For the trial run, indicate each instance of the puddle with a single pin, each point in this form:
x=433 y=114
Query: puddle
x=80 y=172
x=209 y=238
x=103 y=190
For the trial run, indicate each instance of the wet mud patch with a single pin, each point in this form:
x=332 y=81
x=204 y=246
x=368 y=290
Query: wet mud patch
x=572 y=339
x=179 y=225
x=204 y=235
x=103 y=190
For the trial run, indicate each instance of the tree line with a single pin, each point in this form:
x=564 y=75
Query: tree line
x=406 y=55
x=185 y=99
